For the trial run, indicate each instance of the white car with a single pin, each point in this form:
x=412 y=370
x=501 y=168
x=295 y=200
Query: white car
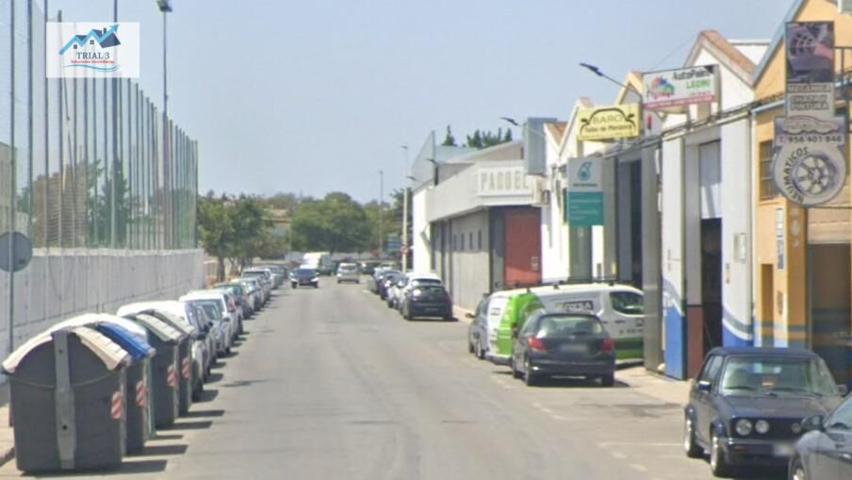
x=229 y=314
x=348 y=272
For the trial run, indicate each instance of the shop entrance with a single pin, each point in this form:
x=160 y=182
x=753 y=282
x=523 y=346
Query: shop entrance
x=711 y=283
x=829 y=275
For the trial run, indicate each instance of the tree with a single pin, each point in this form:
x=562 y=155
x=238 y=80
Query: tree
x=336 y=223
x=483 y=139
x=215 y=231
x=449 y=139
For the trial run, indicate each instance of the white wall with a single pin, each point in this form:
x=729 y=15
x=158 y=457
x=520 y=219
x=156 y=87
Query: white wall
x=672 y=226
x=420 y=231
x=66 y=283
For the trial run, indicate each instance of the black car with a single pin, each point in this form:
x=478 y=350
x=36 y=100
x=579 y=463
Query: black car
x=304 y=276
x=825 y=451
x=747 y=405
x=385 y=280
x=427 y=300
x=563 y=344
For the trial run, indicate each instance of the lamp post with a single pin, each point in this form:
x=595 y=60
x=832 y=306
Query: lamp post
x=166 y=7
x=404 y=248
x=381 y=211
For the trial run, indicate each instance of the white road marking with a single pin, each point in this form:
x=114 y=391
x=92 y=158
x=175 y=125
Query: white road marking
x=618 y=455
x=641 y=468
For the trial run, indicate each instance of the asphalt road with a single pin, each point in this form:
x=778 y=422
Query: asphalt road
x=331 y=384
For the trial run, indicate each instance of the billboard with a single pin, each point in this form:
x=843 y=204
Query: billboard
x=809 y=48
x=671 y=90
x=609 y=123
x=584 y=196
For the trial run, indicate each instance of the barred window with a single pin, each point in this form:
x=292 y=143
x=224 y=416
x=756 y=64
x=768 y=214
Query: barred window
x=767 y=185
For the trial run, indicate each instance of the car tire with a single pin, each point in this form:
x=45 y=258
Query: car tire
x=515 y=372
x=718 y=462
x=608 y=380
x=692 y=449
x=406 y=313
x=530 y=378
x=797 y=470
x=470 y=348
x=480 y=352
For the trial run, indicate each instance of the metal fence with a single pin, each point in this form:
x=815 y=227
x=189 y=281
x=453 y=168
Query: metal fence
x=86 y=163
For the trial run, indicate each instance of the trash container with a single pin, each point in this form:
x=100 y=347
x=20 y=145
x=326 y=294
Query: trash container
x=136 y=374
x=164 y=367
x=170 y=311
x=67 y=401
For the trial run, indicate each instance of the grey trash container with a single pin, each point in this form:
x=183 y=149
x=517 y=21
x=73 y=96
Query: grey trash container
x=67 y=401
x=184 y=356
x=138 y=423
x=164 y=367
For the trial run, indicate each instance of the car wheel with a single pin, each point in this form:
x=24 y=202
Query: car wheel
x=608 y=380
x=470 y=348
x=718 y=463
x=406 y=313
x=294 y=285
x=797 y=471
x=689 y=446
x=530 y=378
x=515 y=372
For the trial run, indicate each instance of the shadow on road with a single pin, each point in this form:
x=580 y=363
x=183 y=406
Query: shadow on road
x=190 y=425
x=208 y=395
x=159 y=450
x=205 y=413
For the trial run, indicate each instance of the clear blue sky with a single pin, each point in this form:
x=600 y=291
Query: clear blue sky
x=318 y=95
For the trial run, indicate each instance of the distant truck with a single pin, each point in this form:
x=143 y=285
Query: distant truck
x=321 y=261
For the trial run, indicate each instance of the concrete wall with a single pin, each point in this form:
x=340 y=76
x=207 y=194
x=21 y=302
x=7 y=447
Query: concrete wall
x=420 y=243
x=468 y=277
x=65 y=283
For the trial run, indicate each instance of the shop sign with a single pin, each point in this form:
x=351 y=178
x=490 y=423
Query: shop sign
x=584 y=198
x=502 y=181
x=672 y=89
x=609 y=123
x=809 y=48
x=809 y=167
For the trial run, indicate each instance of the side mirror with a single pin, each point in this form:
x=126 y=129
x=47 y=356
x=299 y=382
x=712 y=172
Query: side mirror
x=704 y=386
x=844 y=390
x=813 y=423
x=468 y=315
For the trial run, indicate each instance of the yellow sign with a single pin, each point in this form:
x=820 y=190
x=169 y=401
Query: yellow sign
x=609 y=123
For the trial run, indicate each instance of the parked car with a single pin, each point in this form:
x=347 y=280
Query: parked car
x=386 y=279
x=563 y=344
x=427 y=300
x=348 y=272
x=304 y=277
x=368 y=267
x=825 y=450
x=219 y=330
x=409 y=281
x=244 y=310
x=228 y=311
x=747 y=405
x=477 y=331
x=279 y=274
x=255 y=292
x=264 y=276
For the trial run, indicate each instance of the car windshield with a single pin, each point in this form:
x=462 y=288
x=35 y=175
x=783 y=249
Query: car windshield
x=628 y=303
x=560 y=326
x=346 y=268
x=211 y=307
x=777 y=375
x=306 y=272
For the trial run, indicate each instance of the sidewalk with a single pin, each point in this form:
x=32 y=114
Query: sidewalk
x=654 y=385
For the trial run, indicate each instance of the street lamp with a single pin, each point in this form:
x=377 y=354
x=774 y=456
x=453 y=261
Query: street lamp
x=597 y=71
x=166 y=7
x=404 y=248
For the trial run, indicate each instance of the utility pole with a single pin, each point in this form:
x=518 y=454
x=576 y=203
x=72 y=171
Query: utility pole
x=381 y=211
x=404 y=248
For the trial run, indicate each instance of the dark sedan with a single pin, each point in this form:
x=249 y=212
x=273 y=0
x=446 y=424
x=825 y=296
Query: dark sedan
x=825 y=451
x=304 y=277
x=386 y=279
x=428 y=300
x=747 y=405
x=560 y=344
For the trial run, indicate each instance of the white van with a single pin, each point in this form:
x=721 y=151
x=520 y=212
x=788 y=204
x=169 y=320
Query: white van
x=620 y=308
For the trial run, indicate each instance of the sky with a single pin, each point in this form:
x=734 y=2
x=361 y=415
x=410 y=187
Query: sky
x=316 y=96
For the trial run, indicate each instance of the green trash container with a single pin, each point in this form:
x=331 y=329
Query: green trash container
x=67 y=401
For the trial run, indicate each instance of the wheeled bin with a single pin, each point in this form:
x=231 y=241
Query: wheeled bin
x=164 y=367
x=67 y=401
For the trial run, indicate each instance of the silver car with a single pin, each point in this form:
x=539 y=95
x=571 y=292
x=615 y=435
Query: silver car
x=348 y=272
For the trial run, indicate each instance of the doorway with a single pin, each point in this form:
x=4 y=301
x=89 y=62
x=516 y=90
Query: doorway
x=711 y=283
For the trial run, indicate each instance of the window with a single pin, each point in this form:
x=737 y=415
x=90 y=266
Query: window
x=628 y=303
x=779 y=375
x=559 y=326
x=479 y=239
x=767 y=185
x=711 y=369
x=470 y=240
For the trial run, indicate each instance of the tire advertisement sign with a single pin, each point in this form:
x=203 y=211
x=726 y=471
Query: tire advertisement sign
x=809 y=167
x=671 y=90
x=810 y=69
x=609 y=123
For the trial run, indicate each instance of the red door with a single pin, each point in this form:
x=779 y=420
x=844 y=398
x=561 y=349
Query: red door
x=522 y=247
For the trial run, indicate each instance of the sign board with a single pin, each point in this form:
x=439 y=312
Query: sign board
x=671 y=90
x=502 y=181
x=609 y=123
x=584 y=197
x=809 y=48
x=809 y=167
x=21 y=248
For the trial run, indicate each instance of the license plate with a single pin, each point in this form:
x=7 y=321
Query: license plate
x=570 y=348
x=782 y=450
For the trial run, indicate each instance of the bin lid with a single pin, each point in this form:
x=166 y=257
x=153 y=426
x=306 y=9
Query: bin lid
x=137 y=348
x=110 y=353
x=161 y=329
x=96 y=318
x=171 y=311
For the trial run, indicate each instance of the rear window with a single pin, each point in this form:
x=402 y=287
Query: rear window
x=628 y=303
x=419 y=282
x=431 y=288
x=553 y=326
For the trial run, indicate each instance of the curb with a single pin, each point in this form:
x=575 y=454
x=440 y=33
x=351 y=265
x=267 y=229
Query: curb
x=7 y=456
